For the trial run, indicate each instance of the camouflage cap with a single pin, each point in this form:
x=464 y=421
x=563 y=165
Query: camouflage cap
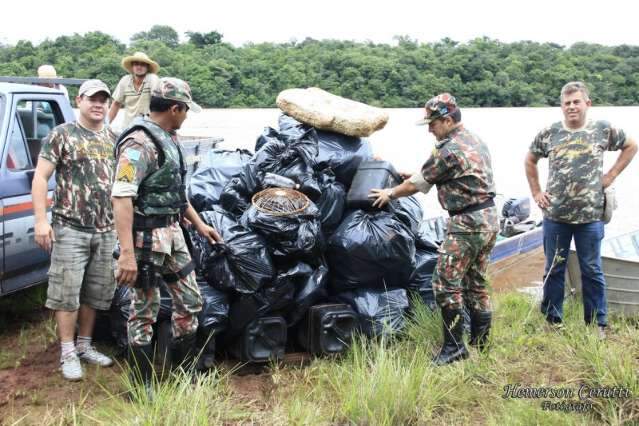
x=91 y=87
x=441 y=105
x=176 y=90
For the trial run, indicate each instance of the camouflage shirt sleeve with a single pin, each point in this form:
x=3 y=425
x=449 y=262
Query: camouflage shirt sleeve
x=540 y=145
x=52 y=146
x=136 y=159
x=616 y=138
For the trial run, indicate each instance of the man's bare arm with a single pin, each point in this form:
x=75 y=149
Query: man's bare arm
x=127 y=271
x=542 y=199
x=44 y=236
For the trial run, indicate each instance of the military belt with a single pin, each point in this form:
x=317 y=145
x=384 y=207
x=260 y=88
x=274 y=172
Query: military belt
x=141 y=223
x=472 y=208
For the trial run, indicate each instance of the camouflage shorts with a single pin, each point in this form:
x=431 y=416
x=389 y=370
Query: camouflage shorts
x=81 y=270
x=460 y=274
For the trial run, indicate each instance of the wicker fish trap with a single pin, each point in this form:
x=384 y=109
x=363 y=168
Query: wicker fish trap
x=280 y=201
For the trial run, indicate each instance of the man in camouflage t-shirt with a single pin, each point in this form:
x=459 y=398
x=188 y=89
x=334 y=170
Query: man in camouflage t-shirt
x=460 y=167
x=573 y=203
x=82 y=238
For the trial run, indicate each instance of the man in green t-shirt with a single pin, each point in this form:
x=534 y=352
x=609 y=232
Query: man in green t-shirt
x=82 y=237
x=573 y=202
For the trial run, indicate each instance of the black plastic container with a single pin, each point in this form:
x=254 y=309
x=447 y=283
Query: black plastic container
x=327 y=329
x=370 y=174
x=263 y=339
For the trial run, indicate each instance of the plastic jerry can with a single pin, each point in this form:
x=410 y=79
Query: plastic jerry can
x=263 y=339
x=327 y=329
x=370 y=174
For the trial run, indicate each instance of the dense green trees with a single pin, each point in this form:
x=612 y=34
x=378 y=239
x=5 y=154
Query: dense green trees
x=482 y=72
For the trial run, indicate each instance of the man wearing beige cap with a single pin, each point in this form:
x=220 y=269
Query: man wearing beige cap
x=133 y=92
x=81 y=237
x=149 y=201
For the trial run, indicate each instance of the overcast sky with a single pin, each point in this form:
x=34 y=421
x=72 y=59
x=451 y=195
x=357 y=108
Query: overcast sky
x=609 y=22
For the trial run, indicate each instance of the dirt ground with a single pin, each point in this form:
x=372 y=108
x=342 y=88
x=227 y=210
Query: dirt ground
x=31 y=385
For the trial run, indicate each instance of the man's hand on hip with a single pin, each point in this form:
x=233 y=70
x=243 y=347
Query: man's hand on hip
x=542 y=199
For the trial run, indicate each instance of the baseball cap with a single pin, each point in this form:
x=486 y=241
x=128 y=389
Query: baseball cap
x=175 y=90
x=91 y=87
x=439 y=106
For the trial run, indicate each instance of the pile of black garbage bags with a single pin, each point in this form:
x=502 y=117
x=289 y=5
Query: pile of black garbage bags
x=281 y=282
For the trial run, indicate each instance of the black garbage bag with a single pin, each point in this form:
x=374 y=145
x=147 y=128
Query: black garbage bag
x=236 y=194
x=311 y=288
x=431 y=233
x=332 y=202
x=215 y=308
x=370 y=249
x=381 y=312
x=276 y=296
x=213 y=174
x=421 y=280
x=241 y=264
x=294 y=159
x=119 y=316
x=343 y=154
x=290 y=128
x=408 y=210
x=268 y=135
x=296 y=236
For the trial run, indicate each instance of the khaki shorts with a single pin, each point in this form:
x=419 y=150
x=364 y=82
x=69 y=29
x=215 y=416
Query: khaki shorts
x=81 y=269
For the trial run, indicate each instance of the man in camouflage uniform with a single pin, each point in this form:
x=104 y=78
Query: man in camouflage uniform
x=460 y=167
x=149 y=200
x=82 y=237
x=573 y=202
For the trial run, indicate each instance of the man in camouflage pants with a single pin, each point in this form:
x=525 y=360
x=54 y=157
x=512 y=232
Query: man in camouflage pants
x=573 y=203
x=82 y=237
x=460 y=167
x=149 y=200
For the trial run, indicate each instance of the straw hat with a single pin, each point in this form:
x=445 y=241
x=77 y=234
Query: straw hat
x=47 y=71
x=140 y=57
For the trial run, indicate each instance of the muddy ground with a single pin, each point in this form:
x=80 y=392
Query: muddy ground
x=31 y=385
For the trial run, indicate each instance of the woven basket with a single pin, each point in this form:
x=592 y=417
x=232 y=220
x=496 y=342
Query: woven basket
x=323 y=110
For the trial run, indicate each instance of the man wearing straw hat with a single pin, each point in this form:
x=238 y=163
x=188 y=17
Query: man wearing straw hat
x=133 y=92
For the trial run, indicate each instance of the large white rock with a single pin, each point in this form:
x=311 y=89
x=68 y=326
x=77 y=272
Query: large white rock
x=323 y=110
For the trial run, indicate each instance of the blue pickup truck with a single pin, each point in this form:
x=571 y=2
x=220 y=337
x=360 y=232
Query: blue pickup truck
x=27 y=113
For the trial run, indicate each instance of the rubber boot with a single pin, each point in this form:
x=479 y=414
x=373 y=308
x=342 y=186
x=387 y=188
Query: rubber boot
x=141 y=364
x=480 y=329
x=183 y=352
x=453 y=348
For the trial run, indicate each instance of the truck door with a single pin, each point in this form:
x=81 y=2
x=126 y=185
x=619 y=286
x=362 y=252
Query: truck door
x=29 y=120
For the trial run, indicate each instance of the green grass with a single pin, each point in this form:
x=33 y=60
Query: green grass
x=392 y=382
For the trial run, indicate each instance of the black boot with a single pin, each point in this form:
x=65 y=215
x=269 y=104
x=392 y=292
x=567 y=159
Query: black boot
x=480 y=328
x=141 y=365
x=183 y=352
x=453 y=348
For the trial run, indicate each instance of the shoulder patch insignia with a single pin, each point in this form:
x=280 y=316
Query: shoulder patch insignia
x=126 y=174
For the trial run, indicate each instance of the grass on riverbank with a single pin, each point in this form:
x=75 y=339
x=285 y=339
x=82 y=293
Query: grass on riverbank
x=393 y=382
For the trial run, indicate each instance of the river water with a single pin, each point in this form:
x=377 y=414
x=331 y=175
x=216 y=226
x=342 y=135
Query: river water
x=507 y=131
